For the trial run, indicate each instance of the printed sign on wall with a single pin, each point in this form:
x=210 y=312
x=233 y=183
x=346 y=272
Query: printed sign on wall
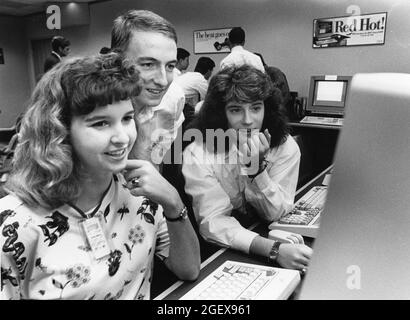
x=355 y=30
x=211 y=41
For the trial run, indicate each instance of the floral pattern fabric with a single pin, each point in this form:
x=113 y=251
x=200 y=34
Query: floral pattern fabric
x=45 y=254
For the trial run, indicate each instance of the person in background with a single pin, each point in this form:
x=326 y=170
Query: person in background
x=239 y=55
x=6 y=156
x=225 y=193
x=81 y=221
x=278 y=79
x=182 y=61
x=150 y=42
x=60 y=48
x=195 y=84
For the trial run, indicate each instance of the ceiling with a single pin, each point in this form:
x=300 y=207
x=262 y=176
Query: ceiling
x=27 y=7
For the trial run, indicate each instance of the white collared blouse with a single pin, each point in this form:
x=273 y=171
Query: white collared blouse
x=217 y=189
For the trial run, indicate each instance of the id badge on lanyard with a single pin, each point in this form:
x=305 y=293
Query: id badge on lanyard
x=94 y=229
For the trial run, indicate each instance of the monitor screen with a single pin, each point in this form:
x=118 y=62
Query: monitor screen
x=329 y=91
x=327 y=94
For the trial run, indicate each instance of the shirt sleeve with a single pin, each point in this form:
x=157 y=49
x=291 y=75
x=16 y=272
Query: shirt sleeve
x=224 y=63
x=275 y=187
x=202 y=87
x=258 y=64
x=211 y=204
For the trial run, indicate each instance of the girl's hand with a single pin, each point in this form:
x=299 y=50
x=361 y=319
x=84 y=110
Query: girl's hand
x=294 y=256
x=254 y=150
x=144 y=180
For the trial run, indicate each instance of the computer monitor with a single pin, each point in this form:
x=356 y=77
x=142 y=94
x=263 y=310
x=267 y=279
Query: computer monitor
x=327 y=95
x=361 y=251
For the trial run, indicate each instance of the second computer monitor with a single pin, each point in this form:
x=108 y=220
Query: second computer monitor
x=327 y=95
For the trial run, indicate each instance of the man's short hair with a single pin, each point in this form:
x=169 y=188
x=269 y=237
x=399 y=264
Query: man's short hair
x=204 y=64
x=59 y=41
x=182 y=54
x=237 y=35
x=138 y=20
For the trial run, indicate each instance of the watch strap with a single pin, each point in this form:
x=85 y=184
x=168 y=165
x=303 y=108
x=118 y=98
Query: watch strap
x=183 y=215
x=274 y=251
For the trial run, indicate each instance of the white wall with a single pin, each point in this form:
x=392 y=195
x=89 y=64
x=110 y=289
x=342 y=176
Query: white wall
x=279 y=29
x=14 y=80
x=282 y=31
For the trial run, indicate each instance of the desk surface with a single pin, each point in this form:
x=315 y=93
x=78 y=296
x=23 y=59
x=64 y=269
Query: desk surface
x=313 y=125
x=179 y=288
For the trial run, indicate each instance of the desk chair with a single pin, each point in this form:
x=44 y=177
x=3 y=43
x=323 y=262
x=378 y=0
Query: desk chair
x=306 y=162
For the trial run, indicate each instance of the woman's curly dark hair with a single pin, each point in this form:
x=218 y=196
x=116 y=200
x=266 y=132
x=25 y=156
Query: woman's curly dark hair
x=242 y=84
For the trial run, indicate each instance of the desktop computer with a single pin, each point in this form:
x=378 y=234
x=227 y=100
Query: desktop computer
x=361 y=250
x=327 y=100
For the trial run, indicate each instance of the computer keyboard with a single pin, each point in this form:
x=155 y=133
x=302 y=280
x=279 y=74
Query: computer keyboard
x=322 y=120
x=235 y=280
x=304 y=217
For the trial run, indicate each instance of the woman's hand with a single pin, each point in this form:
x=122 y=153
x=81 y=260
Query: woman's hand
x=254 y=149
x=144 y=180
x=184 y=254
x=294 y=256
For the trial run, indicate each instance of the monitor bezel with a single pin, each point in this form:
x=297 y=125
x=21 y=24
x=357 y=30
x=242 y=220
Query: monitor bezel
x=327 y=107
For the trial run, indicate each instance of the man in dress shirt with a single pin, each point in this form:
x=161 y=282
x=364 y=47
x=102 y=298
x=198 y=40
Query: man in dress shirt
x=182 y=61
x=60 y=48
x=239 y=55
x=195 y=84
x=149 y=41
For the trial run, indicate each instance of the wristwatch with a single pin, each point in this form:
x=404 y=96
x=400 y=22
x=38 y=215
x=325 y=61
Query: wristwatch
x=274 y=251
x=262 y=167
x=183 y=215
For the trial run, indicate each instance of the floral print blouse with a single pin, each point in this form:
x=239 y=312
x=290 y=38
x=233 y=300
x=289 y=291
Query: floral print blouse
x=45 y=254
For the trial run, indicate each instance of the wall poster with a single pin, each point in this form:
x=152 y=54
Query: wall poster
x=357 y=30
x=211 y=41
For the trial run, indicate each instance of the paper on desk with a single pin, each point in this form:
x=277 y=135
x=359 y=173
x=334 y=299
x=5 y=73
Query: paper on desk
x=326 y=180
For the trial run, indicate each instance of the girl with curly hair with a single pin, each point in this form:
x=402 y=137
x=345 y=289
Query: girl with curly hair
x=81 y=221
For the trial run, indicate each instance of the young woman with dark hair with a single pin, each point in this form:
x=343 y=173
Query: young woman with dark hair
x=242 y=104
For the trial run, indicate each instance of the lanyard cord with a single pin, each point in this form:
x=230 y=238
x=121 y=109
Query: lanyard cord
x=92 y=214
